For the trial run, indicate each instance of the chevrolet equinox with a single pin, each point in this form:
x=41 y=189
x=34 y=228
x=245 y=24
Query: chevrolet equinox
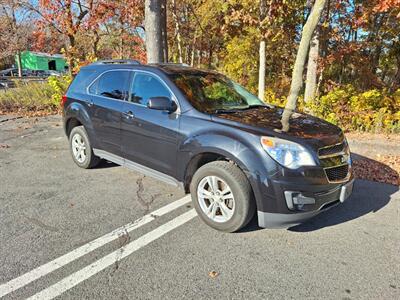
x=203 y=132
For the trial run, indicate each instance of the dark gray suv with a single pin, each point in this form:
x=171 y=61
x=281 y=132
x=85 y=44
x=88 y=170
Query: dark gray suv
x=203 y=132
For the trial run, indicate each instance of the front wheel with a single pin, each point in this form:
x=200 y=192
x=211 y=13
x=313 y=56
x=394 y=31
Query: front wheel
x=222 y=196
x=81 y=150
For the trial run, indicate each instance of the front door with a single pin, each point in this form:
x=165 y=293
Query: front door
x=108 y=94
x=149 y=137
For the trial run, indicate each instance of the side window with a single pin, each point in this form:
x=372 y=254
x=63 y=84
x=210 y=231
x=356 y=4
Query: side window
x=146 y=86
x=82 y=80
x=93 y=87
x=113 y=84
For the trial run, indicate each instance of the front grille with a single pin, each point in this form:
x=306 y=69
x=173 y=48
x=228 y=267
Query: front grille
x=337 y=173
x=330 y=150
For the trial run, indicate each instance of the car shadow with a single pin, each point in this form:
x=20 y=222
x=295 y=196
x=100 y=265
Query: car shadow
x=105 y=164
x=368 y=197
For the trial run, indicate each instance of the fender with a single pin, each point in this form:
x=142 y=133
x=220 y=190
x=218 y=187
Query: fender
x=236 y=149
x=78 y=111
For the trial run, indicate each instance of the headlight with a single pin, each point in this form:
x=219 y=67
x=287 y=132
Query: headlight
x=286 y=153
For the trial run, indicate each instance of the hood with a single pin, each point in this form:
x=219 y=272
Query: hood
x=283 y=123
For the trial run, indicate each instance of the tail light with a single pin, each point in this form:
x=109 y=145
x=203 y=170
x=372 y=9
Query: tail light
x=63 y=100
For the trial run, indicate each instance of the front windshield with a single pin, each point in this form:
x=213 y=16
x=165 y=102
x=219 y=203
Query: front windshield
x=213 y=93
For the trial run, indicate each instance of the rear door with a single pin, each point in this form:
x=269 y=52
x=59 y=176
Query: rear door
x=107 y=96
x=149 y=137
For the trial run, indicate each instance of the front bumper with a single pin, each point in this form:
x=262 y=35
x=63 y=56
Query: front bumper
x=296 y=214
x=275 y=220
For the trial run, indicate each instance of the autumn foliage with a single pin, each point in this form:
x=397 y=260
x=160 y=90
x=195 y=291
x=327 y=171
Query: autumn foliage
x=88 y=30
x=358 y=58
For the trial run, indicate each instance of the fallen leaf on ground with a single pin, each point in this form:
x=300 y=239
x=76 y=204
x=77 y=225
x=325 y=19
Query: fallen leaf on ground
x=213 y=274
x=385 y=169
x=31 y=113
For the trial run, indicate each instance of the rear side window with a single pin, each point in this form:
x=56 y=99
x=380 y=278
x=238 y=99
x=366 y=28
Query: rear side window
x=82 y=80
x=112 y=84
x=145 y=87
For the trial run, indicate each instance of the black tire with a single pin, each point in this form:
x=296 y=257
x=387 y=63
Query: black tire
x=241 y=190
x=90 y=160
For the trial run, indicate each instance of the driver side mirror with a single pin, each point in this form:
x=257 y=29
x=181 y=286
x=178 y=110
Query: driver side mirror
x=162 y=103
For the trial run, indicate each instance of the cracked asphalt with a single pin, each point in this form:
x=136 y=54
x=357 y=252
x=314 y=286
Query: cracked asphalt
x=49 y=207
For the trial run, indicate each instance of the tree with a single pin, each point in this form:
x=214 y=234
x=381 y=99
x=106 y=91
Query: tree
x=312 y=65
x=177 y=31
x=307 y=33
x=261 y=69
x=154 y=33
x=266 y=28
x=164 y=31
x=120 y=36
x=14 y=37
x=297 y=75
x=70 y=18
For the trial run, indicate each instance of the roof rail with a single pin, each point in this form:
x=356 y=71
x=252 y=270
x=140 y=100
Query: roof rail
x=117 y=61
x=171 y=64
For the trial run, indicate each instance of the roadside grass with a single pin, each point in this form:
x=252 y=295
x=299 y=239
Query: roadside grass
x=34 y=98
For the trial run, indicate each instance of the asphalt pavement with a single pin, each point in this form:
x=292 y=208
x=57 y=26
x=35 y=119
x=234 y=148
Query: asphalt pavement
x=110 y=233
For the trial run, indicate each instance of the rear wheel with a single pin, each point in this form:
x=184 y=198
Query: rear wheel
x=222 y=196
x=82 y=152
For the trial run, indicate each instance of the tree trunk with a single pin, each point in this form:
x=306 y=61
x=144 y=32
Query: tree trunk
x=178 y=32
x=70 y=48
x=307 y=33
x=193 y=51
x=325 y=30
x=154 y=41
x=96 y=44
x=121 y=44
x=19 y=63
x=261 y=68
x=164 y=30
x=210 y=54
x=199 y=54
x=261 y=71
x=297 y=76
x=396 y=79
x=311 y=79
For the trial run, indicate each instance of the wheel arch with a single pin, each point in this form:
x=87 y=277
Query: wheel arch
x=211 y=147
x=70 y=124
x=199 y=160
x=76 y=115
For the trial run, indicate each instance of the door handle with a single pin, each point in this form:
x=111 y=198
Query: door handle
x=129 y=114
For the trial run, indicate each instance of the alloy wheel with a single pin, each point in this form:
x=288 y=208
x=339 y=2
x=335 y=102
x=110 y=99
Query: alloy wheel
x=79 y=148
x=216 y=199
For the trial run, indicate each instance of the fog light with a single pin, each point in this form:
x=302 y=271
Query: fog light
x=296 y=200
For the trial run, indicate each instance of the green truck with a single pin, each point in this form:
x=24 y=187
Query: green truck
x=42 y=61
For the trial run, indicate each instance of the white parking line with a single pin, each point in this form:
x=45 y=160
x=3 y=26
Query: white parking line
x=61 y=261
x=108 y=260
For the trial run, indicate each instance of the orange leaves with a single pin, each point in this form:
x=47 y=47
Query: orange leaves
x=39 y=38
x=81 y=24
x=384 y=169
x=385 y=5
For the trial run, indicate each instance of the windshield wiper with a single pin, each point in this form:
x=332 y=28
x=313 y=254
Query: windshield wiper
x=256 y=106
x=224 y=111
x=236 y=109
